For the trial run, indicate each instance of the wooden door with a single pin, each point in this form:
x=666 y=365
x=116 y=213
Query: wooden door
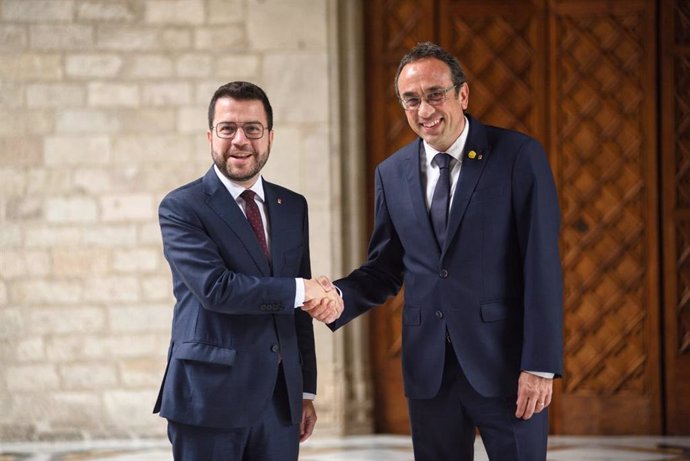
x=392 y=28
x=581 y=77
x=675 y=181
x=603 y=133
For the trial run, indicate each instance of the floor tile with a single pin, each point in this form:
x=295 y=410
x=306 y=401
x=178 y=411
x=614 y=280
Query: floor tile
x=359 y=448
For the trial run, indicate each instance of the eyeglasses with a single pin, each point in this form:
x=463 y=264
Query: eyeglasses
x=228 y=130
x=432 y=98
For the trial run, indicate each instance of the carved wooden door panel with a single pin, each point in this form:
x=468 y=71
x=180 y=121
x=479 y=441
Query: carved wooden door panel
x=675 y=179
x=580 y=76
x=501 y=47
x=602 y=116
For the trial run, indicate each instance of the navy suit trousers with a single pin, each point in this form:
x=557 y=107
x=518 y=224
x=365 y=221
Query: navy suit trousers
x=272 y=438
x=443 y=427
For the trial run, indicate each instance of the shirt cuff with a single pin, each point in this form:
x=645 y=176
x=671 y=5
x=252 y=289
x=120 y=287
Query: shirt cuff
x=541 y=374
x=299 y=292
x=308 y=396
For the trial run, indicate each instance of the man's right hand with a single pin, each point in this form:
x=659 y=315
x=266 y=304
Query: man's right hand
x=322 y=301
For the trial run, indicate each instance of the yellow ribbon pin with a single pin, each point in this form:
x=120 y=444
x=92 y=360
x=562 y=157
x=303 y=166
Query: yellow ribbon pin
x=472 y=154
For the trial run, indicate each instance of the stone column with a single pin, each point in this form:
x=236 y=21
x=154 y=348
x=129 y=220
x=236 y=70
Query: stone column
x=344 y=365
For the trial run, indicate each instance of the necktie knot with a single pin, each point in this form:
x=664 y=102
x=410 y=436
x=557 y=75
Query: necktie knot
x=442 y=160
x=248 y=195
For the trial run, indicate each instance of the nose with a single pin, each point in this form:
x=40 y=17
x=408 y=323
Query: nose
x=240 y=139
x=425 y=109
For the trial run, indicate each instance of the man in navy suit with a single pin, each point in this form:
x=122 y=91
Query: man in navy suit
x=467 y=218
x=241 y=371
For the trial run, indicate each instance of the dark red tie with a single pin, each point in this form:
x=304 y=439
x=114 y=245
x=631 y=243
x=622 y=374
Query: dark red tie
x=254 y=218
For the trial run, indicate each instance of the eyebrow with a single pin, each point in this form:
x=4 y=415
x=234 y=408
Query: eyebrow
x=248 y=121
x=427 y=90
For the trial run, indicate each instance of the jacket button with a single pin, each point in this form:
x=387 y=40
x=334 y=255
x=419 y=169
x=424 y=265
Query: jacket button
x=443 y=274
x=274 y=348
x=439 y=314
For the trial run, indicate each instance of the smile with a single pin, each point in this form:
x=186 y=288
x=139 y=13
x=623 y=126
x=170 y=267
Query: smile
x=431 y=124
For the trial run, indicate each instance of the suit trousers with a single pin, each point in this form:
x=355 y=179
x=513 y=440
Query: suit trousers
x=272 y=438
x=443 y=427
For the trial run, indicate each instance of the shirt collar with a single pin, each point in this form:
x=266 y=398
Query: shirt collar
x=235 y=189
x=455 y=149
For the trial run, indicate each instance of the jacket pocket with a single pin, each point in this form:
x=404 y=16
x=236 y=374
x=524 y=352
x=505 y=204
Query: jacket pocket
x=200 y=352
x=491 y=312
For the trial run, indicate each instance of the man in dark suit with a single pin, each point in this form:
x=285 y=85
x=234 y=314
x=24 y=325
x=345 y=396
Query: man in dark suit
x=467 y=218
x=241 y=371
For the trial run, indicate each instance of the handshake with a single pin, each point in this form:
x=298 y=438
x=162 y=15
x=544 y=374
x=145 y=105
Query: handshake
x=321 y=300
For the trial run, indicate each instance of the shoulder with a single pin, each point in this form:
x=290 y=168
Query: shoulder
x=188 y=191
x=283 y=193
x=522 y=153
x=509 y=148
x=401 y=156
x=182 y=203
x=505 y=138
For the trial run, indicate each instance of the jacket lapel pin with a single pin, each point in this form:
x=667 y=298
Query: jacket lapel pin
x=280 y=201
x=472 y=155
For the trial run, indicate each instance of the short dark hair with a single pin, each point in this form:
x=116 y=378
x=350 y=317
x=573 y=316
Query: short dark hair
x=242 y=91
x=424 y=50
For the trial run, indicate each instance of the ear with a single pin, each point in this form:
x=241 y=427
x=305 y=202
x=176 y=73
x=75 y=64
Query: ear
x=464 y=96
x=209 y=136
x=270 y=136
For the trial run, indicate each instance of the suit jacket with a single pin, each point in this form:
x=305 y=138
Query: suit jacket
x=234 y=318
x=496 y=285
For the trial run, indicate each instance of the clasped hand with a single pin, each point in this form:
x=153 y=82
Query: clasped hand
x=321 y=300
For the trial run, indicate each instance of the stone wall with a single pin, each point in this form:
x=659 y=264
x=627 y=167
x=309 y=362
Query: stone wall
x=102 y=111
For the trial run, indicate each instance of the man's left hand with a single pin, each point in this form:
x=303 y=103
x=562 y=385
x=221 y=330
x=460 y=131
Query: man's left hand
x=534 y=395
x=306 y=426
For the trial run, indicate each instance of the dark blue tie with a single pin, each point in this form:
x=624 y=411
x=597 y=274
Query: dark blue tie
x=441 y=199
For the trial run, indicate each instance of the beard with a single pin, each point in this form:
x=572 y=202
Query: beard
x=239 y=174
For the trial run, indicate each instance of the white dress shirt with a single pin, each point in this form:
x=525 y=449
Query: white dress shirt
x=431 y=172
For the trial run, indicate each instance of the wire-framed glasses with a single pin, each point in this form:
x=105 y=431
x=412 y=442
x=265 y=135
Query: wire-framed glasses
x=435 y=97
x=228 y=130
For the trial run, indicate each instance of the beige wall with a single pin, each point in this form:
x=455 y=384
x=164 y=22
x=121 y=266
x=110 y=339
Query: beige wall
x=102 y=111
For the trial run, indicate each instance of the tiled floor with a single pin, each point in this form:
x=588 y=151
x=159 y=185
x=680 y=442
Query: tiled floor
x=361 y=448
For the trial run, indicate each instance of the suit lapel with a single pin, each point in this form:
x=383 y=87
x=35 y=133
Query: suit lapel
x=222 y=203
x=470 y=173
x=413 y=174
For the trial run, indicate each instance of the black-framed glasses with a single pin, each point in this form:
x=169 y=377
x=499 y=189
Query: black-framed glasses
x=228 y=130
x=433 y=98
